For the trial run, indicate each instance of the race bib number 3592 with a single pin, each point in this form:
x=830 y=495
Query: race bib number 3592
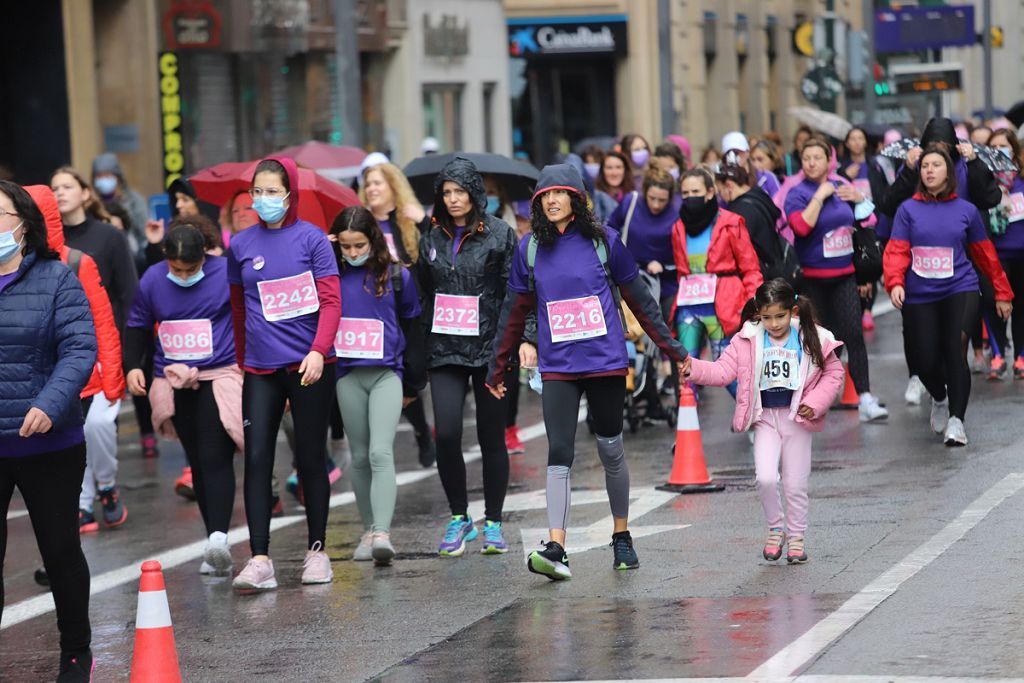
x=933 y=263
x=837 y=243
x=574 y=319
x=186 y=339
x=288 y=297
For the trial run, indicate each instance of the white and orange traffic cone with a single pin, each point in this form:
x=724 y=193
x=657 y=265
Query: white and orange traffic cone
x=155 y=659
x=850 y=399
x=689 y=472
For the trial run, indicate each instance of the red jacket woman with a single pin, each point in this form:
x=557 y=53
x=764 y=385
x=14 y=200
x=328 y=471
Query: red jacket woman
x=111 y=379
x=732 y=258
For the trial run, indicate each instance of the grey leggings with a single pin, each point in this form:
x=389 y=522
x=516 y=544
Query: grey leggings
x=371 y=403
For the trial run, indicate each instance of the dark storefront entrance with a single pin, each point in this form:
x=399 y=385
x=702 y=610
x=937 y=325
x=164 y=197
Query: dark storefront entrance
x=563 y=81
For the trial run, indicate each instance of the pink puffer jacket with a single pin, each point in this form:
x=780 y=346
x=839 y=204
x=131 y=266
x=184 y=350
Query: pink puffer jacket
x=741 y=362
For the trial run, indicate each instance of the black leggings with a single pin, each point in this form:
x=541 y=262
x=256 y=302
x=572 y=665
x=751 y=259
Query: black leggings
x=837 y=302
x=416 y=416
x=448 y=393
x=50 y=484
x=210 y=453
x=512 y=386
x=1014 y=269
x=938 y=333
x=263 y=400
x=561 y=400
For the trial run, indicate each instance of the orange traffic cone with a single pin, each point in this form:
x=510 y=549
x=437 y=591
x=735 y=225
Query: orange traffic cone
x=155 y=659
x=850 y=399
x=689 y=473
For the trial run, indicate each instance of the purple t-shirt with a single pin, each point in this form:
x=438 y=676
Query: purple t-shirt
x=6 y=280
x=824 y=238
x=275 y=337
x=359 y=301
x=571 y=270
x=159 y=300
x=1011 y=244
x=938 y=233
x=650 y=237
x=767 y=181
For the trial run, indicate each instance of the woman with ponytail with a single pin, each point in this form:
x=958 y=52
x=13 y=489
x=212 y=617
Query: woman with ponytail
x=789 y=375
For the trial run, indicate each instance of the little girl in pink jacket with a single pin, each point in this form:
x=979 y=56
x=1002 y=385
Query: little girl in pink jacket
x=788 y=376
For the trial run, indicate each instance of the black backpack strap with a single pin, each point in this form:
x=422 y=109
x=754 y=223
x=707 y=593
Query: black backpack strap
x=396 y=278
x=74 y=260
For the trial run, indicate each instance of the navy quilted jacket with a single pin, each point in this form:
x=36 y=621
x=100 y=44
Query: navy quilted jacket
x=47 y=345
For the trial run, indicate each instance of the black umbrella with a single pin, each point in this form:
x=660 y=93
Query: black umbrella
x=995 y=160
x=516 y=177
x=1016 y=114
x=605 y=142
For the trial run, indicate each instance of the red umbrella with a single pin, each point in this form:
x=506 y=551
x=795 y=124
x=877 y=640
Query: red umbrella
x=320 y=199
x=334 y=161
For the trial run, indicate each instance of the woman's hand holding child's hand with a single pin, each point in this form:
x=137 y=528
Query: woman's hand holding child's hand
x=805 y=412
x=684 y=367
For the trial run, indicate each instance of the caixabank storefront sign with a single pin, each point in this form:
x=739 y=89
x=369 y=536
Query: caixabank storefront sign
x=531 y=38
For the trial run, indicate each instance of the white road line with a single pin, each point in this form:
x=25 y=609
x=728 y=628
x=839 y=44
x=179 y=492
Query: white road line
x=42 y=604
x=14 y=514
x=812 y=644
x=882 y=305
x=818 y=679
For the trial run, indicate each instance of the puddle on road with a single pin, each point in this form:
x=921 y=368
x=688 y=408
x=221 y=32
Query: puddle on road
x=556 y=639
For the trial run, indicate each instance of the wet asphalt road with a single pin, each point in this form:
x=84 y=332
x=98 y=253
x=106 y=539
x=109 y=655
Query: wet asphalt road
x=916 y=568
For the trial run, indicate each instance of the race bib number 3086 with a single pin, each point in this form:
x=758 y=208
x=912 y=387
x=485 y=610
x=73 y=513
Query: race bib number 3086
x=288 y=297
x=574 y=319
x=186 y=339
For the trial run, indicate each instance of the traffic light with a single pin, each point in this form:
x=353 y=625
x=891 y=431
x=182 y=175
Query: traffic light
x=884 y=88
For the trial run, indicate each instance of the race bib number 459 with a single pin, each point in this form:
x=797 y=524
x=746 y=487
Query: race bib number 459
x=573 y=319
x=781 y=369
x=288 y=297
x=186 y=339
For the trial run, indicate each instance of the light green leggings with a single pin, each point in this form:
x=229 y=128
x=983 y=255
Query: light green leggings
x=371 y=404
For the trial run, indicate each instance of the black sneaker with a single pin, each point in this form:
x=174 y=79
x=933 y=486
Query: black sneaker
x=114 y=511
x=428 y=452
x=551 y=562
x=625 y=556
x=76 y=667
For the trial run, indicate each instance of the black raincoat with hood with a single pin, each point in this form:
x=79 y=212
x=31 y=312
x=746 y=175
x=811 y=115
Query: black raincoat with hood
x=480 y=266
x=981 y=187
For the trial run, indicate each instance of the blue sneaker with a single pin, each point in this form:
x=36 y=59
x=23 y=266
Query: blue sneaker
x=460 y=531
x=291 y=484
x=494 y=542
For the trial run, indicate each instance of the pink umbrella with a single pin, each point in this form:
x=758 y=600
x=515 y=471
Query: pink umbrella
x=334 y=161
x=320 y=199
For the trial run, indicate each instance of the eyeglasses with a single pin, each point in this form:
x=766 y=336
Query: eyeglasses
x=269 y=192
x=7 y=213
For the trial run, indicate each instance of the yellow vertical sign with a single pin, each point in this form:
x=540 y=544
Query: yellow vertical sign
x=170 y=118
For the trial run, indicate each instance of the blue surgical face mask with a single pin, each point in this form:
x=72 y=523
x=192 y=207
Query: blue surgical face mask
x=492 y=203
x=270 y=209
x=106 y=185
x=592 y=169
x=188 y=281
x=8 y=247
x=1006 y=152
x=358 y=260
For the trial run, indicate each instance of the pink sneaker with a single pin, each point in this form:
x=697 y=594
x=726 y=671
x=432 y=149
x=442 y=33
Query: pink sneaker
x=258 y=575
x=316 y=568
x=773 y=546
x=795 y=553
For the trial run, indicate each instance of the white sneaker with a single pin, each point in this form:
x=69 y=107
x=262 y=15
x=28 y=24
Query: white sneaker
x=914 y=390
x=206 y=569
x=383 y=551
x=217 y=555
x=870 y=409
x=364 y=551
x=955 y=434
x=940 y=415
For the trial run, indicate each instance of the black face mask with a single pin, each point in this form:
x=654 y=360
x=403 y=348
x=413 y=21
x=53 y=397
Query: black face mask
x=697 y=214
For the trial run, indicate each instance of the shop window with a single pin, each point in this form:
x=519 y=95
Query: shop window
x=442 y=114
